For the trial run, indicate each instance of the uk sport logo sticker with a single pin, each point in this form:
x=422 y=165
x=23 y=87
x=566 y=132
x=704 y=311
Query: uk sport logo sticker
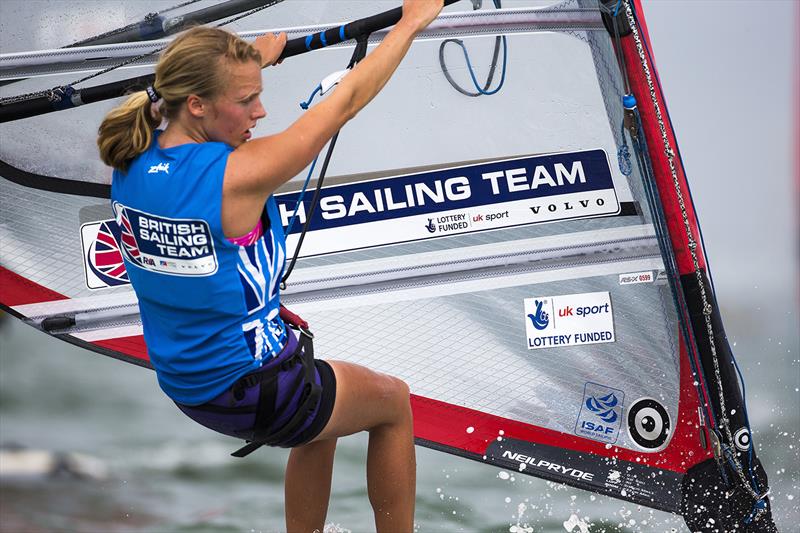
x=600 y=417
x=102 y=257
x=181 y=247
x=569 y=320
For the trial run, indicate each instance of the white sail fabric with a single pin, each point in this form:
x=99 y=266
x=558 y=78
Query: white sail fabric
x=456 y=305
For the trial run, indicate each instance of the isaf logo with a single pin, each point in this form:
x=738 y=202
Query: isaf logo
x=600 y=416
x=603 y=407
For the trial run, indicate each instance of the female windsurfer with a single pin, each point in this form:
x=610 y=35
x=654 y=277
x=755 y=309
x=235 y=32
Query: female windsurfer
x=204 y=249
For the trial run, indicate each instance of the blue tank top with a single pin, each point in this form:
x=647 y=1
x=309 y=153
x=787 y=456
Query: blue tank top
x=209 y=308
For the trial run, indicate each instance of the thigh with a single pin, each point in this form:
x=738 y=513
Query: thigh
x=364 y=399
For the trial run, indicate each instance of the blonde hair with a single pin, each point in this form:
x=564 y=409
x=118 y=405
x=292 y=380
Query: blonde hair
x=183 y=70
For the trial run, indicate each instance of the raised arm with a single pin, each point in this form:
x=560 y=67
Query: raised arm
x=257 y=168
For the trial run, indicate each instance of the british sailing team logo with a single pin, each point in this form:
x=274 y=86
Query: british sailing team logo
x=600 y=416
x=175 y=246
x=102 y=256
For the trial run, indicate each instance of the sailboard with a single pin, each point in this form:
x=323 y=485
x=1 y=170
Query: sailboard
x=522 y=251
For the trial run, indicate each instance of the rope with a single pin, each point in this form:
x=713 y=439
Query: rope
x=300 y=198
x=480 y=90
x=359 y=53
x=692 y=244
x=632 y=122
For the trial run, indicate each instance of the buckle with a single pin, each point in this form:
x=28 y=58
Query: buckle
x=305 y=331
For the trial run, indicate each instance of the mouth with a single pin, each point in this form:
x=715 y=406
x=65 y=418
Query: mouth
x=247 y=135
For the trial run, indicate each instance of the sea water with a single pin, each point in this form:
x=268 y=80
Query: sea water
x=163 y=473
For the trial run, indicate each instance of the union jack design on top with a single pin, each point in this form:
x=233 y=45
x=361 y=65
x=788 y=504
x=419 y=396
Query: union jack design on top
x=128 y=240
x=102 y=255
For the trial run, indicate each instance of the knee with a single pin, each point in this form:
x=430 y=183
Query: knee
x=396 y=395
x=400 y=390
x=401 y=396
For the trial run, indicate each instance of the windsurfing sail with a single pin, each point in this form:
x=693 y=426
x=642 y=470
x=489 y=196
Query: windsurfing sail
x=522 y=250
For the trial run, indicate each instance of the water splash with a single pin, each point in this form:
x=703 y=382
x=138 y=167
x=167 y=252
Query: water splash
x=575 y=522
x=520 y=526
x=335 y=528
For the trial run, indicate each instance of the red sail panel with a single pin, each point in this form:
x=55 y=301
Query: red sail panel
x=133 y=346
x=17 y=290
x=447 y=424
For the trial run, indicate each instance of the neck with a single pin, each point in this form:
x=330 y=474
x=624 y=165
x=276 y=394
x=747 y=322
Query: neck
x=180 y=132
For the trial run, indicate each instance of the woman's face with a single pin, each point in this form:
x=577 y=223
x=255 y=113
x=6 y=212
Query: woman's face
x=234 y=113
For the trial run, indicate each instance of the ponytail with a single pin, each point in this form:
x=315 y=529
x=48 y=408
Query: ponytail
x=127 y=131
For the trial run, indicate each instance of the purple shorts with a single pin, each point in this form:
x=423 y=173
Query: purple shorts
x=234 y=411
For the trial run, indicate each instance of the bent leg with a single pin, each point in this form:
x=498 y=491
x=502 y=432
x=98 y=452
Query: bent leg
x=308 y=486
x=380 y=404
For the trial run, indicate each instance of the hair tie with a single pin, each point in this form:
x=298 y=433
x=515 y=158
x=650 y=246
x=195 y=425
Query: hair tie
x=153 y=94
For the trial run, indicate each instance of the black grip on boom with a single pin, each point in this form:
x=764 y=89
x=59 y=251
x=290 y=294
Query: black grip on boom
x=346 y=32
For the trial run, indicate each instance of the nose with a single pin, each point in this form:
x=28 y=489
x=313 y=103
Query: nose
x=259 y=111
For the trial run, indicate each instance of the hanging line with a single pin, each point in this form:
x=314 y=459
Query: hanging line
x=300 y=199
x=480 y=90
x=359 y=53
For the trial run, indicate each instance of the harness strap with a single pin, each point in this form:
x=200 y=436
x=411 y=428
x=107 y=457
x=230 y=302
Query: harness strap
x=265 y=408
x=310 y=396
x=312 y=393
x=251 y=380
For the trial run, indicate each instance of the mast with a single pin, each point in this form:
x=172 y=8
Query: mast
x=731 y=489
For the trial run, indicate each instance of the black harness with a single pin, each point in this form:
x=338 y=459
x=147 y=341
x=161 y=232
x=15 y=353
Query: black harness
x=268 y=381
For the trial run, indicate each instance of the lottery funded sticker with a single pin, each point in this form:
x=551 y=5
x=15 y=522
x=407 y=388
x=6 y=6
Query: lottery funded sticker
x=569 y=320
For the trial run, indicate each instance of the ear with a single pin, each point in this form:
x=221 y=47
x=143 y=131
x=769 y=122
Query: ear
x=196 y=106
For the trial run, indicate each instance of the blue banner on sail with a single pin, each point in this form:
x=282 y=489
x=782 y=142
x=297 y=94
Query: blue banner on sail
x=489 y=195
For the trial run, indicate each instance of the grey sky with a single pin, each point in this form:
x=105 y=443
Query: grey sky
x=726 y=68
